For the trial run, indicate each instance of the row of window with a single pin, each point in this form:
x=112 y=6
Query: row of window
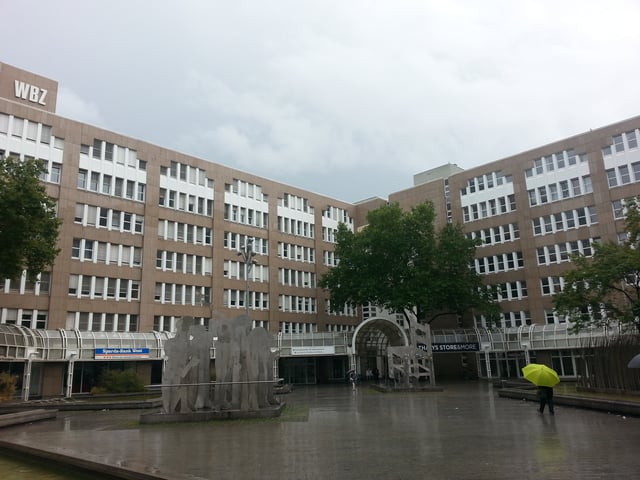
x=236 y=270
x=290 y=251
x=514 y=319
x=184 y=232
x=106 y=252
x=295 y=202
x=24 y=318
x=246 y=216
x=236 y=241
x=623 y=174
x=557 y=161
x=90 y=215
x=338 y=327
x=233 y=298
x=182 y=294
x=246 y=190
x=183 y=263
x=186 y=173
x=23 y=286
x=102 y=322
x=338 y=214
x=25 y=129
x=296 y=227
x=166 y=323
x=104 y=287
x=560 y=190
x=185 y=202
x=330 y=258
x=329 y=234
x=296 y=278
x=346 y=311
x=569 y=219
x=298 y=327
x=488 y=180
x=499 y=263
x=496 y=235
x=622 y=142
x=298 y=304
x=102 y=150
x=511 y=291
x=53 y=173
x=491 y=208
x=619 y=209
x=560 y=252
x=109 y=185
x=551 y=285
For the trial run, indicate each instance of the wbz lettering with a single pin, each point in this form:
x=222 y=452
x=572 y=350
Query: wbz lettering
x=31 y=92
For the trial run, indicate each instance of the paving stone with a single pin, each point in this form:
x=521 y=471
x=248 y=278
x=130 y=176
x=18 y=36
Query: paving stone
x=332 y=432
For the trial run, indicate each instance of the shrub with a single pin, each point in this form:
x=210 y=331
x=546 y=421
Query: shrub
x=7 y=386
x=116 y=381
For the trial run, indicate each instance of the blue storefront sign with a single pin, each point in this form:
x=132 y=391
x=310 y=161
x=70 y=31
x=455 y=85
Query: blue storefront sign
x=120 y=353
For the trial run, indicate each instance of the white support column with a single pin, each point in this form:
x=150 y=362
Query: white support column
x=72 y=358
x=486 y=348
x=26 y=380
x=31 y=353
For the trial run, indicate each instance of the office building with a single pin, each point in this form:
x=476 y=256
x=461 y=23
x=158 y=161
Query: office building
x=150 y=235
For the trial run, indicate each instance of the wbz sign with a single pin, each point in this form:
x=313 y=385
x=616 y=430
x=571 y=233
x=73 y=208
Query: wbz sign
x=30 y=92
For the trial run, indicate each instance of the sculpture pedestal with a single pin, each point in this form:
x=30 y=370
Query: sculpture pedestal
x=207 y=415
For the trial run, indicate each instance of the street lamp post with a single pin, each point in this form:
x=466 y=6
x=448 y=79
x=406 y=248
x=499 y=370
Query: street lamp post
x=247 y=255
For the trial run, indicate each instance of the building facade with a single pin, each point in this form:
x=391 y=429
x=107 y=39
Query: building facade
x=149 y=234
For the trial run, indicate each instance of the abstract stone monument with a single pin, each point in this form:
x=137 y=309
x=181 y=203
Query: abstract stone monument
x=244 y=385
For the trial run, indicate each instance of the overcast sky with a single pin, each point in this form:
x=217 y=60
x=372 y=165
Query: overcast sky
x=348 y=98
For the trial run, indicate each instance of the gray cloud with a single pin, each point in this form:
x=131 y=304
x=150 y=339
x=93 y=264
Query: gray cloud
x=350 y=98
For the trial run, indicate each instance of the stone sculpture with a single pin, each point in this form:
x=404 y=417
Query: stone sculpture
x=244 y=368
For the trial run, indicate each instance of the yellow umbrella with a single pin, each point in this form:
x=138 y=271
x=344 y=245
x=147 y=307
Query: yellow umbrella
x=540 y=375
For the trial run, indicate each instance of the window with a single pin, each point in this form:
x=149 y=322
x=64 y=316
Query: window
x=18 y=127
x=575 y=187
x=97 y=148
x=108 y=151
x=82 y=179
x=130 y=189
x=106 y=184
x=119 y=185
x=632 y=141
x=54 y=174
x=75 y=248
x=618 y=144
x=95 y=181
x=32 y=131
x=118 y=189
x=625 y=177
x=611 y=177
x=4 y=123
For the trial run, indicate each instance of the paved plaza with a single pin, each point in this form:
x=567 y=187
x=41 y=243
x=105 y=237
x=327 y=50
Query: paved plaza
x=333 y=432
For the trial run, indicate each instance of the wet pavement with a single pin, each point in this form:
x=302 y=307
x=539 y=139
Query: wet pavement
x=333 y=432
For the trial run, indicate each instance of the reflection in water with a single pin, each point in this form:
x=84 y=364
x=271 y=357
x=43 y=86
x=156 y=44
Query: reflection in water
x=17 y=467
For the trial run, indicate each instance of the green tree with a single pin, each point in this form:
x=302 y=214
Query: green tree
x=605 y=287
x=28 y=222
x=400 y=262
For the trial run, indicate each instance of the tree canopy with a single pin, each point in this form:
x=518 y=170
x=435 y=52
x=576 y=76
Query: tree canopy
x=28 y=222
x=605 y=288
x=400 y=262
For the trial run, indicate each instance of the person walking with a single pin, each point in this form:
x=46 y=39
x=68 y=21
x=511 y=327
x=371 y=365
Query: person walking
x=545 y=396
